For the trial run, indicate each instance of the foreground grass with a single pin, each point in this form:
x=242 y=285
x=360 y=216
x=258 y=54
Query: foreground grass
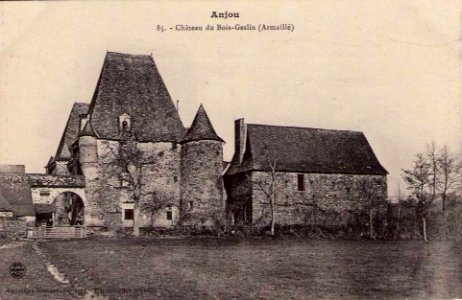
x=37 y=283
x=275 y=269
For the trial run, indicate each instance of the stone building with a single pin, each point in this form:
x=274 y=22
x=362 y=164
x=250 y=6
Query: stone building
x=315 y=175
x=180 y=176
x=16 y=208
x=129 y=143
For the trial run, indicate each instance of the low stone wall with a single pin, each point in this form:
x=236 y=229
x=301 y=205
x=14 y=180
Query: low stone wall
x=13 y=228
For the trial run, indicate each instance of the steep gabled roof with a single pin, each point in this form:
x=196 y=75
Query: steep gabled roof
x=71 y=132
x=201 y=128
x=307 y=150
x=132 y=84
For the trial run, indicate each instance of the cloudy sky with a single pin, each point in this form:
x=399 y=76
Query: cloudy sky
x=388 y=68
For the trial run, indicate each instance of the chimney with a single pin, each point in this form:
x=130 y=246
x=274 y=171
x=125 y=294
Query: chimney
x=240 y=135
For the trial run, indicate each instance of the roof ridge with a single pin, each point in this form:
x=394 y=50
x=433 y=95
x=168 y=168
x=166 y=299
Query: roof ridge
x=128 y=54
x=301 y=127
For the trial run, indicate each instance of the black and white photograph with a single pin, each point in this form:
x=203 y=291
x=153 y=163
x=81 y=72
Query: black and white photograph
x=231 y=149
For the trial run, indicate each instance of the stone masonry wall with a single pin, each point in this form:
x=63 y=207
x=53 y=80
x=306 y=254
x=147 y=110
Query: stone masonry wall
x=14 y=227
x=201 y=182
x=88 y=157
x=160 y=181
x=324 y=194
x=239 y=199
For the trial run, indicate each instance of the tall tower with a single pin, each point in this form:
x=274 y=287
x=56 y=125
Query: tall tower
x=201 y=172
x=88 y=160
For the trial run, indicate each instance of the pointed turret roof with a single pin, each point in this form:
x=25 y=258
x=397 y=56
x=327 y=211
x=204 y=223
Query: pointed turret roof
x=64 y=154
x=201 y=128
x=87 y=130
x=132 y=84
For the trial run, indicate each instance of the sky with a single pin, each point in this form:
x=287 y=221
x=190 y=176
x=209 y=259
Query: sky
x=390 y=69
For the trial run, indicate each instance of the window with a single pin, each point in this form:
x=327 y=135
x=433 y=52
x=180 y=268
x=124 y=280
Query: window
x=175 y=178
x=169 y=212
x=124 y=126
x=125 y=123
x=128 y=214
x=191 y=205
x=44 y=193
x=300 y=182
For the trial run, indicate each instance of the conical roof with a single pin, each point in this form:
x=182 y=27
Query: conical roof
x=201 y=128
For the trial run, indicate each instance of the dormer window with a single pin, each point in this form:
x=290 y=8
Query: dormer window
x=125 y=123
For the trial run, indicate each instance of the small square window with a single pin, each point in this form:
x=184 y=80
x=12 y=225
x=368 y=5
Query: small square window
x=191 y=205
x=300 y=182
x=175 y=178
x=44 y=193
x=128 y=214
x=169 y=215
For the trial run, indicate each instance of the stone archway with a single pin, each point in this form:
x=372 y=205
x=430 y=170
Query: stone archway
x=69 y=209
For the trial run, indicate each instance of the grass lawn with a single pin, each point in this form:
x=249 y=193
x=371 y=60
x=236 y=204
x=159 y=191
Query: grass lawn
x=225 y=269
x=36 y=276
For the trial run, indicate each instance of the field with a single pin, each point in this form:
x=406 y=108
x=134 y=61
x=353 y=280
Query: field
x=236 y=269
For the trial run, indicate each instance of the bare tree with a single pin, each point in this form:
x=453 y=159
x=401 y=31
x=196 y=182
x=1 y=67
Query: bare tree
x=418 y=181
x=450 y=174
x=433 y=161
x=158 y=201
x=267 y=184
x=130 y=161
x=367 y=191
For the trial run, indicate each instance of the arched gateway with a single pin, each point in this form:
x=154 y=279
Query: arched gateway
x=69 y=209
x=58 y=200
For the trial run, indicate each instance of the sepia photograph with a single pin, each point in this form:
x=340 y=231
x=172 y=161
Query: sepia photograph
x=231 y=150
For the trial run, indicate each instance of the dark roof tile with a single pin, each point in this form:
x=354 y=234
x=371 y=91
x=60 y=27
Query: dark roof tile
x=201 y=128
x=307 y=150
x=71 y=131
x=132 y=84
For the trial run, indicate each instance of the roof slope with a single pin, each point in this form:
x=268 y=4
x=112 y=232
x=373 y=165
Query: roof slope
x=307 y=150
x=15 y=190
x=132 y=84
x=201 y=128
x=71 y=131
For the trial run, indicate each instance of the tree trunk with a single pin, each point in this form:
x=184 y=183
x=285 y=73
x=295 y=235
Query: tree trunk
x=136 y=217
x=273 y=215
x=444 y=202
x=371 y=226
x=459 y=229
x=424 y=228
